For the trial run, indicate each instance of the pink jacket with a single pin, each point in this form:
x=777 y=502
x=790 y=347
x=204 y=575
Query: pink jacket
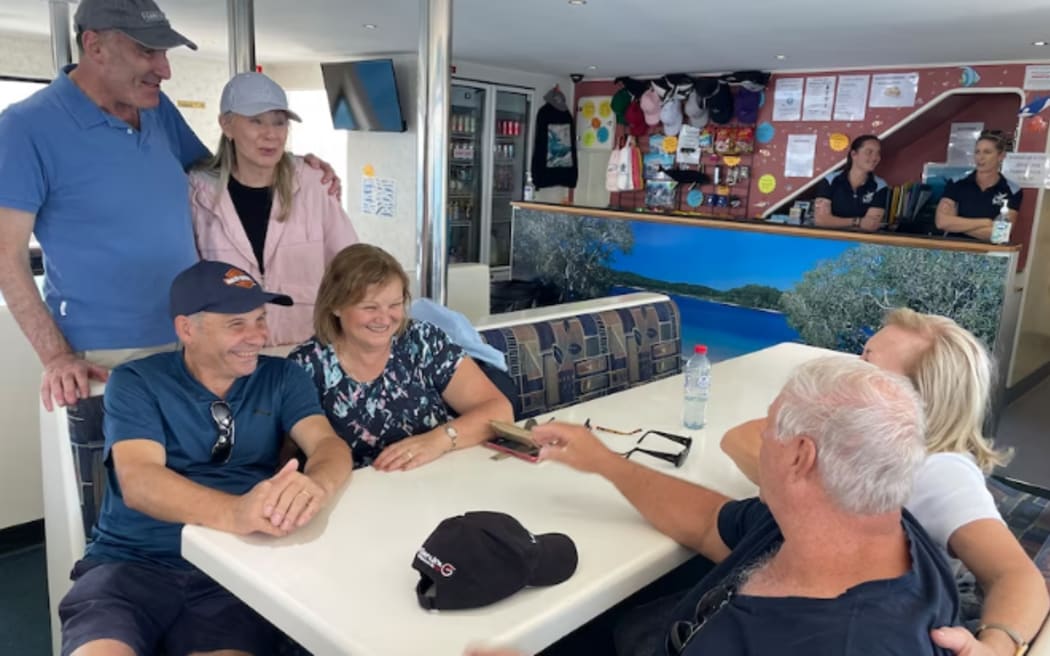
x=296 y=251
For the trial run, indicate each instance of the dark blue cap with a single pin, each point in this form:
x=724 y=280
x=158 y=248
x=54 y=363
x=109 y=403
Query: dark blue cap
x=210 y=286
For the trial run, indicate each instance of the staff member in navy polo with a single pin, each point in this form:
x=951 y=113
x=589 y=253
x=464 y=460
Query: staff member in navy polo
x=854 y=197
x=971 y=204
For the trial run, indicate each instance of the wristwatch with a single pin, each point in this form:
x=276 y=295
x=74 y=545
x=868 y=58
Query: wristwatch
x=856 y=222
x=1019 y=642
x=452 y=433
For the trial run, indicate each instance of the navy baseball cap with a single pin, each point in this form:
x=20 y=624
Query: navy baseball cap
x=210 y=286
x=478 y=558
x=142 y=20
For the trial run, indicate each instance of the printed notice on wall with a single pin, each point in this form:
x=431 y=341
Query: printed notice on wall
x=851 y=100
x=1027 y=169
x=894 y=90
x=1037 y=78
x=820 y=97
x=798 y=159
x=962 y=141
x=787 y=99
x=378 y=196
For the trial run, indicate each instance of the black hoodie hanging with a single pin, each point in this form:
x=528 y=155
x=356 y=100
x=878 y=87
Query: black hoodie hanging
x=554 y=162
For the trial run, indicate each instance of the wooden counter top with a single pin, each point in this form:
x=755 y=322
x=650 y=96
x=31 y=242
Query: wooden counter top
x=757 y=225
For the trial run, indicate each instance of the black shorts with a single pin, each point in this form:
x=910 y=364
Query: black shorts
x=150 y=608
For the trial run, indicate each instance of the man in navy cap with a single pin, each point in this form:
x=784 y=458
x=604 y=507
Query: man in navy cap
x=192 y=437
x=94 y=165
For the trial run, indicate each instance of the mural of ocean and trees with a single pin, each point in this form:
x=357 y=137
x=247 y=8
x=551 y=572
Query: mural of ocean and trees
x=739 y=291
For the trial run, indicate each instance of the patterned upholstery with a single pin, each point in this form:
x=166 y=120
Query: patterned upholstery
x=559 y=362
x=87 y=441
x=1028 y=516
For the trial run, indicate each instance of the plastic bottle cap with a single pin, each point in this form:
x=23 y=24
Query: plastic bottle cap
x=699 y=348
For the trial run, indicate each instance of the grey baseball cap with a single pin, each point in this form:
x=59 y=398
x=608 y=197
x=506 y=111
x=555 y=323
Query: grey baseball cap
x=141 y=20
x=251 y=94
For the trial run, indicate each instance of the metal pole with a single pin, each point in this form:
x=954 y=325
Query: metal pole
x=435 y=55
x=61 y=50
x=423 y=218
x=240 y=25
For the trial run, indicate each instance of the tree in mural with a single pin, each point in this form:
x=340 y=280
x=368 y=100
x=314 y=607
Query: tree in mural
x=572 y=253
x=841 y=302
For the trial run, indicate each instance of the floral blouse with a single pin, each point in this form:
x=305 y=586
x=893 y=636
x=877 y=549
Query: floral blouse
x=404 y=400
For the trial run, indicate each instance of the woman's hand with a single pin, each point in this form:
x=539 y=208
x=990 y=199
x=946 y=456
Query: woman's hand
x=413 y=452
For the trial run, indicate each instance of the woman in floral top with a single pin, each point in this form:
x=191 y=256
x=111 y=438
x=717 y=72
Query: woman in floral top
x=387 y=382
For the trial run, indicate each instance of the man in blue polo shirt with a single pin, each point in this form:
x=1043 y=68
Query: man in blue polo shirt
x=192 y=437
x=95 y=164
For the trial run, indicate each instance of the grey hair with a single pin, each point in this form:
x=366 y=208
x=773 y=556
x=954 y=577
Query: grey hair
x=868 y=426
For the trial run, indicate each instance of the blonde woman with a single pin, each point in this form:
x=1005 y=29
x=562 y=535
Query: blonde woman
x=385 y=381
x=259 y=208
x=952 y=372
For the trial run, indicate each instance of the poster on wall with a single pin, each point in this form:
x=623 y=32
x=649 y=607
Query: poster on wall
x=798 y=159
x=378 y=196
x=1027 y=169
x=962 y=140
x=1037 y=77
x=787 y=99
x=851 y=99
x=596 y=123
x=820 y=97
x=894 y=90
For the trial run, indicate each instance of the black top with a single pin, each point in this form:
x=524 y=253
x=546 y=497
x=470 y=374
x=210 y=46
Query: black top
x=847 y=202
x=253 y=207
x=972 y=202
x=891 y=617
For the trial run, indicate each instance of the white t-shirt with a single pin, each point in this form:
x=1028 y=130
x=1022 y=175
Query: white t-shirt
x=949 y=493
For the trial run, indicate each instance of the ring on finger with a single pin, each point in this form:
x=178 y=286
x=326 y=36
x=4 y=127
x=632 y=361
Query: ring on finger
x=409 y=454
x=308 y=495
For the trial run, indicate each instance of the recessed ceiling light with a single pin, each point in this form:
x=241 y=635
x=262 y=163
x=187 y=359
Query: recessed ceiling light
x=781 y=57
x=577 y=3
x=370 y=26
x=592 y=67
x=1039 y=43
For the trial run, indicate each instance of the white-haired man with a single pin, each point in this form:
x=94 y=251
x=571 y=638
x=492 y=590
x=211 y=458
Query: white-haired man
x=826 y=562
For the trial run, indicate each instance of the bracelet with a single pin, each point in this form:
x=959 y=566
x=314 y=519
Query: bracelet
x=1022 y=645
x=856 y=222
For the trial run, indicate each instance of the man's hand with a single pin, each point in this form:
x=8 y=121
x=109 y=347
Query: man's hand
x=279 y=504
x=413 y=452
x=315 y=162
x=960 y=641
x=66 y=380
x=572 y=445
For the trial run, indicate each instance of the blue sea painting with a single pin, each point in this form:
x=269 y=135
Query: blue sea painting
x=726 y=330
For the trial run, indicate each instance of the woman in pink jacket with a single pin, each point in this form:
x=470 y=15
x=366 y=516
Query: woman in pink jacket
x=256 y=206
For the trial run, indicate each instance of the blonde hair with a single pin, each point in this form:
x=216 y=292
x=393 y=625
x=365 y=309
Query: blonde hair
x=347 y=279
x=224 y=161
x=954 y=378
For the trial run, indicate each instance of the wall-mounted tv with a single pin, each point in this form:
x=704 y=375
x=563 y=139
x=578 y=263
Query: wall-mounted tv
x=363 y=95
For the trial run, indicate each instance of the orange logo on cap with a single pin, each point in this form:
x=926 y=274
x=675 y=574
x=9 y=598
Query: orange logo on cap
x=238 y=278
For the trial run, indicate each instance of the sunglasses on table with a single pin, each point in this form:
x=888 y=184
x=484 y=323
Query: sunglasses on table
x=222 y=415
x=676 y=459
x=683 y=631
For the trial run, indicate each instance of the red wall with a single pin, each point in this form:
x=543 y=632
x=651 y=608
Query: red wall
x=929 y=142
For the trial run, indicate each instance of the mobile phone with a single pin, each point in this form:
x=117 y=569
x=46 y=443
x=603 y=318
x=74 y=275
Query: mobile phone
x=513 y=439
x=514 y=448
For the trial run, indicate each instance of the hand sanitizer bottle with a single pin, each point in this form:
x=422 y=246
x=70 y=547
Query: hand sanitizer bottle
x=529 y=193
x=1001 y=226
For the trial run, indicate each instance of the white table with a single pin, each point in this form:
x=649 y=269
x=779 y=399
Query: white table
x=344 y=584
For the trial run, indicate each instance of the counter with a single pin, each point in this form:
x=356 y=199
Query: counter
x=743 y=285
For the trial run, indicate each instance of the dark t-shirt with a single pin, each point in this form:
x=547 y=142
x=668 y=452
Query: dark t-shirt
x=879 y=618
x=253 y=206
x=972 y=202
x=847 y=202
x=156 y=398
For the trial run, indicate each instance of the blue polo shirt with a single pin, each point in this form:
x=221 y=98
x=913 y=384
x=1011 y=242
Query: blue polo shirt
x=157 y=398
x=847 y=202
x=972 y=202
x=112 y=210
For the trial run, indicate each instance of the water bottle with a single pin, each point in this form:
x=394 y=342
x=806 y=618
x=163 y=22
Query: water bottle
x=529 y=192
x=1001 y=226
x=697 y=388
